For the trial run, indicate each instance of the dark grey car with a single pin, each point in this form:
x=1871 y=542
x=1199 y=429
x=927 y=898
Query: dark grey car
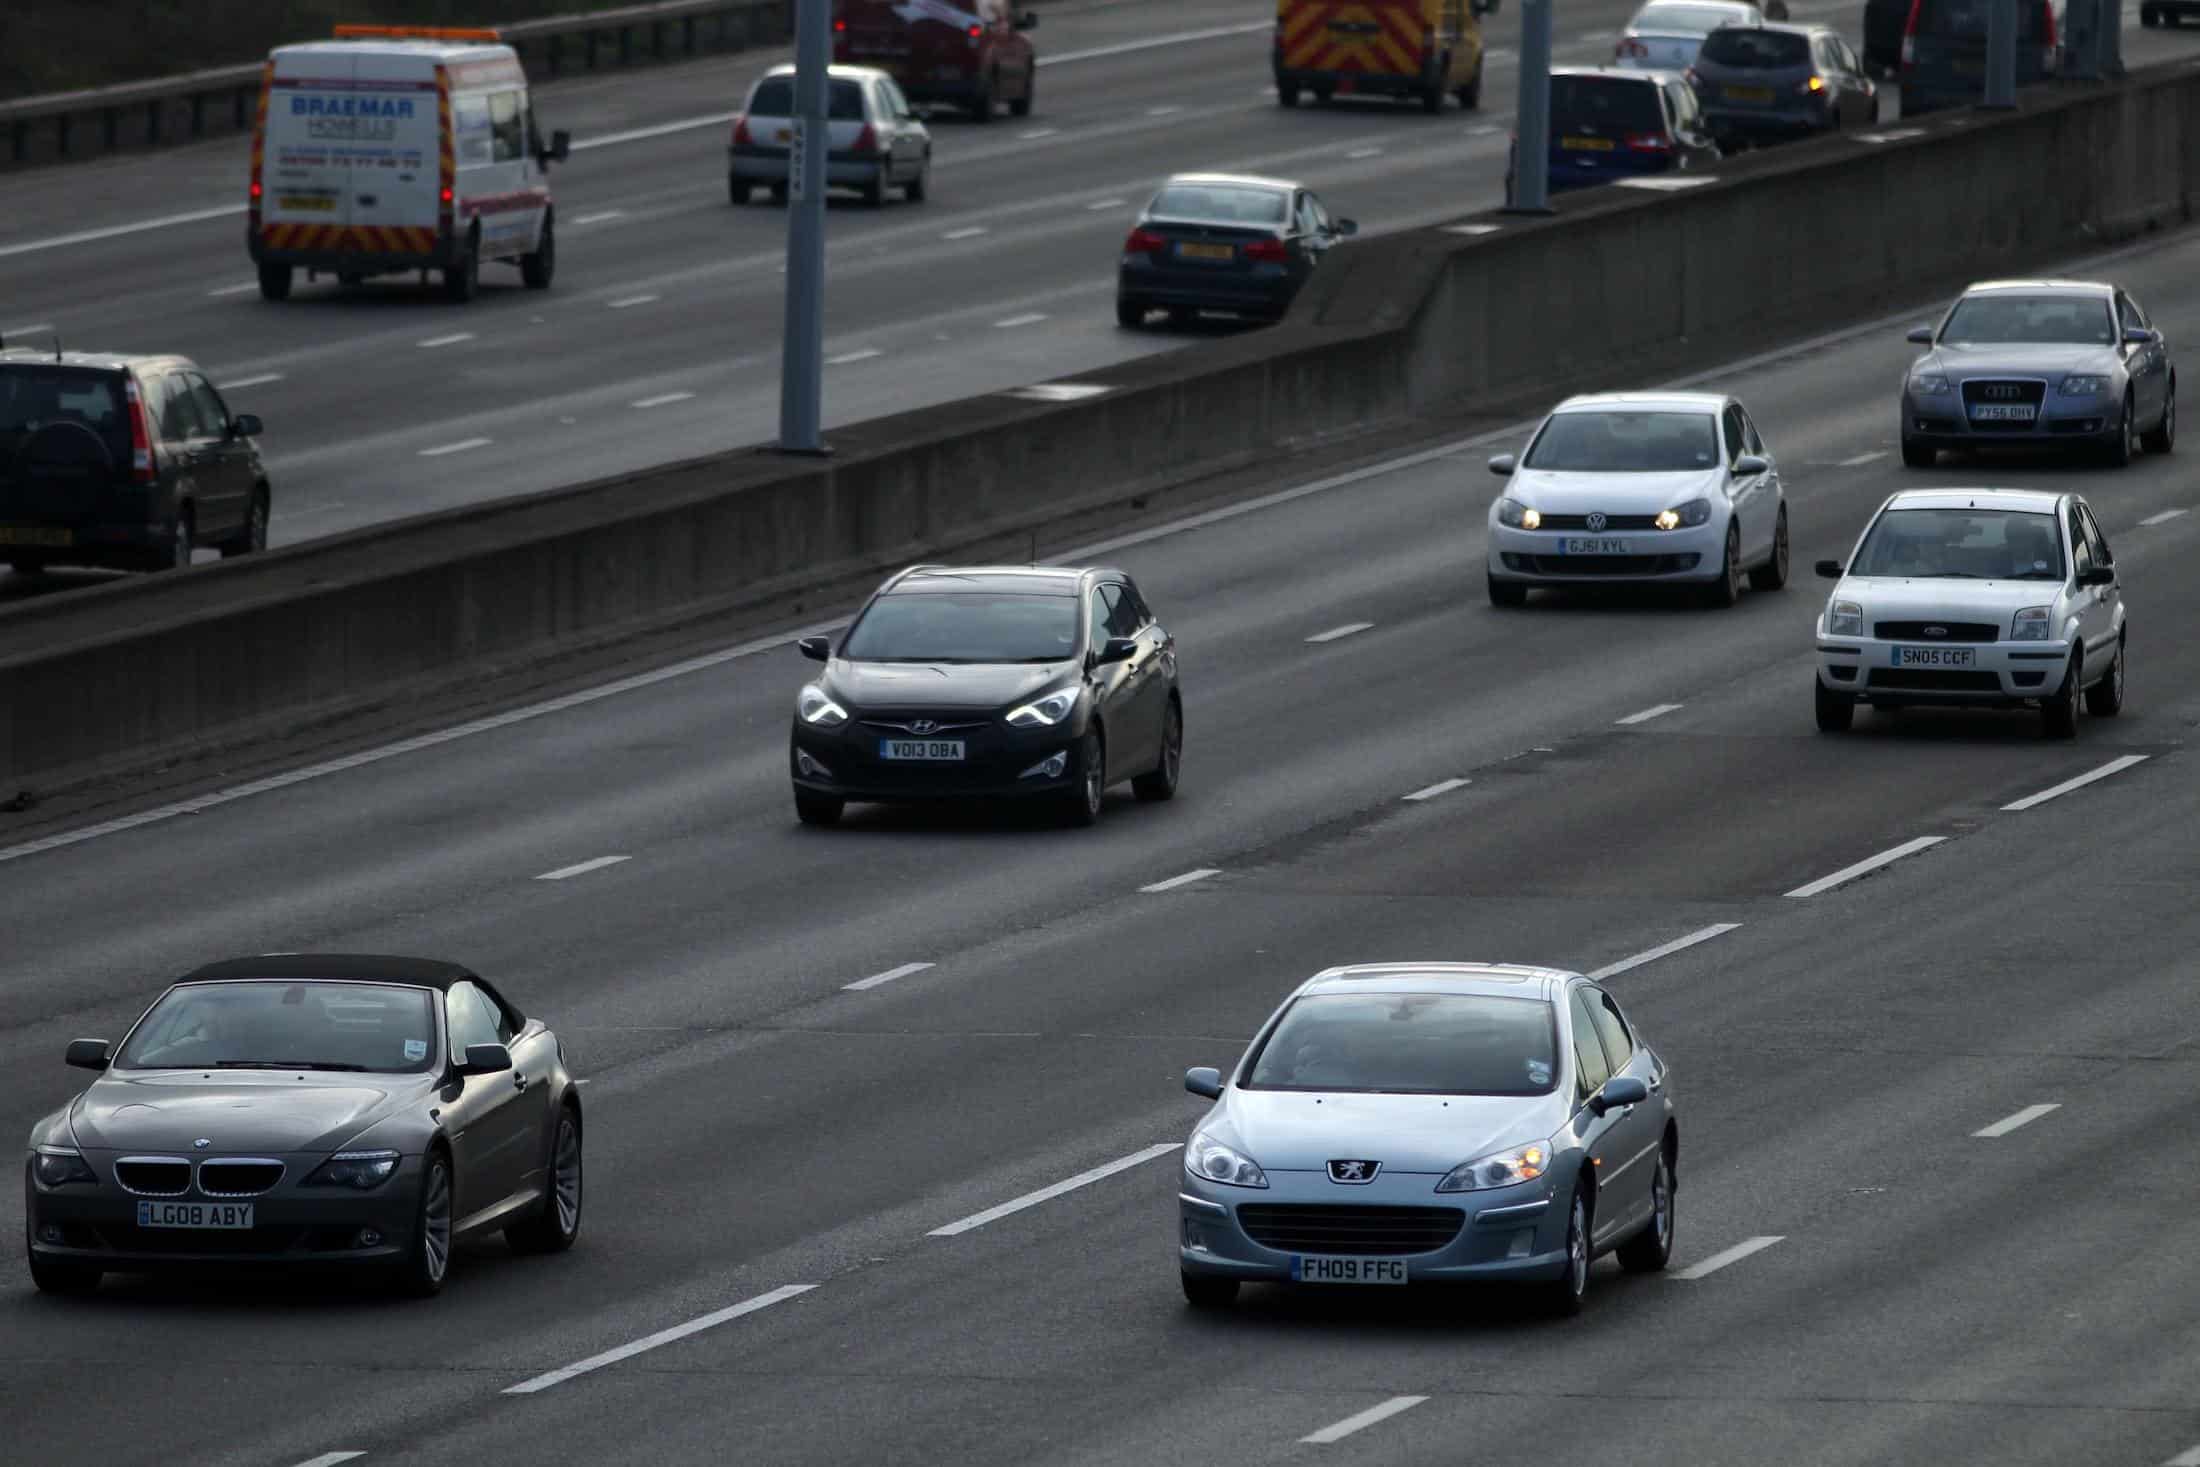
x=2019 y=363
x=1768 y=84
x=364 y=1112
x=1223 y=242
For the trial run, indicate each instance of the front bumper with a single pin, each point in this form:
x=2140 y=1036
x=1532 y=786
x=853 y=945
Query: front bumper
x=1940 y=420
x=2001 y=674
x=845 y=763
x=1509 y=1233
x=1539 y=556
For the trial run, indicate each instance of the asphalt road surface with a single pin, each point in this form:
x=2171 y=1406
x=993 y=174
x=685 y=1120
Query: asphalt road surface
x=1861 y=1277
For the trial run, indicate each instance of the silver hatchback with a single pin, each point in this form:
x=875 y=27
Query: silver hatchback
x=1408 y=1123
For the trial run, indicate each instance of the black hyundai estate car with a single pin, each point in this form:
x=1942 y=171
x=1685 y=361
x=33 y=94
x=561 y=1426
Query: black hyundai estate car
x=987 y=682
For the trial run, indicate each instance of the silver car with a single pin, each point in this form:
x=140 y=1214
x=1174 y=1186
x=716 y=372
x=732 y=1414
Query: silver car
x=2035 y=363
x=873 y=141
x=1665 y=35
x=1400 y=1123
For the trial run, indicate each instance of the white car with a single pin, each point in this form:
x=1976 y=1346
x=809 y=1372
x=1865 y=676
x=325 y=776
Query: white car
x=873 y=141
x=2000 y=597
x=1665 y=35
x=1670 y=487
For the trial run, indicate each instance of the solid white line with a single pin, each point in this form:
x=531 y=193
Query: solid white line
x=329 y=1459
x=632 y=300
x=662 y=1337
x=1657 y=711
x=1338 y=1431
x=971 y=231
x=886 y=977
x=661 y=399
x=2023 y=1117
x=2113 y=766
x=1045 y=1194
x=863 y=355
x=451 y=340
x=115 y=231
x=2156 y=519
x=662 y=129
x=601 y=216
x=1867 y=866
x=1441 y=787
x=461 y=446
x=1152 y=43
x=1185 y=880
x=1734 y=1254
x=260 y=381
x=2189 y=1457
x=1664 y=950
x=1861 y=459
x=1099 y=204
x=1365 y=153
x=583 y=868
x=1026 y=319
x=1346 y=630
x=245 y=288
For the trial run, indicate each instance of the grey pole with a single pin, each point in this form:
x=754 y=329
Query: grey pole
x=802 y=353
x=1531 y=190
x=2001 y=53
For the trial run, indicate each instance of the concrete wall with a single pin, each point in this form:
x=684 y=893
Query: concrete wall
x=1621 y=282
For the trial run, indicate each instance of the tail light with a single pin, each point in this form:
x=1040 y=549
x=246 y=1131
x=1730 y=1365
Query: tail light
x=840 y=25
x=2047 y=38
x=1144 y=242
x=977 y=34
x=255 y=190
x=1268 y=251
x=1649 y=142
x=447 y=196
x=1629 y=46
x=1909 y=35
x=741 y=137
x=141 y=433
x=867 y=140
x=1812 y=87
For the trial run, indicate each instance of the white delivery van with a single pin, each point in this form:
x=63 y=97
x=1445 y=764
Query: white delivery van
x=399 y=148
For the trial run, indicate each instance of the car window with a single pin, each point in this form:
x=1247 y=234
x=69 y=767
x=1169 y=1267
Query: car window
x=1970 y=544
x=1969 y=18
x=1122 y=612
x=964 y=626
x=1409 y=1043
x=1625 y=442
x=1683 y=20
x=472 y=1019
x=1137 y=603
x=1849 y=62
x=1322 y=219
x=1604 y=105
x=1619 y=1044
x=179 y=411
x=1751 y=443
x=2081 y=553
x=1757 y=50
x=2132 y=308
x=1222 y=203
x=1096 y=619
x=2000 y=318
x=256 y=1025
x=213 y=412
x=507 y=135
x=1731 y=420
x=896 y=103
x=35 y=394
x=1591 y=1067
x=2102 y=555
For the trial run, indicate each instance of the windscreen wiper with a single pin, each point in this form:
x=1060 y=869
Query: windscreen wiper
x=286 y=1065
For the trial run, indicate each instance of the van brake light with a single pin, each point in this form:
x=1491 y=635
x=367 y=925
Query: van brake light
x=141 y=435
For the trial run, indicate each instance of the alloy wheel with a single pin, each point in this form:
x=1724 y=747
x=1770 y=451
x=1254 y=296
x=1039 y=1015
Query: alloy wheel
x=566 y=1178
x=435 y=1221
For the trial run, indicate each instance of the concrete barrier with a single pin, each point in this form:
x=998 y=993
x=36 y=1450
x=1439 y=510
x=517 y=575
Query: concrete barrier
x=1619 y=283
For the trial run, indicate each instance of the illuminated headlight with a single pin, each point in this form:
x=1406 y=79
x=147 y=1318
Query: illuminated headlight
x=361 y=1171
x=1211 y=1161
x=1929 y=384
x=2084 y=384
x=1684 y=516
x=1514 y=515
x=1505 y=1169
x=58 y=1166
x=814 y=708
x=1044 y=712
x=2030 y=624
x=1844 y=619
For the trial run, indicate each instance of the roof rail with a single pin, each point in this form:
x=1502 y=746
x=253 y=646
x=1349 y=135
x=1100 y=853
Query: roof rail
x=417 y=33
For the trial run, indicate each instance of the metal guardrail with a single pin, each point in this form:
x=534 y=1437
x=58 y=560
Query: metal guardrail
x=165 y=110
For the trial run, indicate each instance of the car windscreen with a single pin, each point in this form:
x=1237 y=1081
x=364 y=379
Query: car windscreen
x=2003 y=319
x=1221 y=203
x=965 y=626
x=273 y=1025
x=1608 y=104
x=1410 y=1043
x=1962 y=544
x=1757 y=50
x=1968 y=18
x=1680 y=20
x=774 y=97
x=1625 y=443
x=35 y=394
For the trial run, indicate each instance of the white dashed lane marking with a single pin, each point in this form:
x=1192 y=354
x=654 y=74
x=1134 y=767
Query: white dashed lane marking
x=1658 y=711
x=330 y=1459
x=1045 y=1194
x=462 y=446
x=601 y=216
x=627 y=302
x=1861 y=459
x=565 y=872
x=971 y=231
x=1098 y=204
x=1339 y=1430
x=2010 y=1123
x=2163 y=518
x=904 y=971
x=1185 y=880
x=1441 y=787
x=1664 y=950
x=1867 y=866
x=1334 y=633
x=662 y=399
x=2113 y=766
x=243 y=288
x=1721 y=1259
x=1028 y=318
x=451 y=340
x=1365 y=153
x=663 y=1337
x=242 y=382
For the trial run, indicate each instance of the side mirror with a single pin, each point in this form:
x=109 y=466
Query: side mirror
x=91 y=1054
x=246 y=425
x=1115 y=649
x=2139 y=336
x=1348 y=227
x=1204 y=1081
x=1620 y=1090
x=1028 y=21
x=2097 y=575
x=817 y=649
x=1831 y=569
x=1503 y=465
x=1752 y=463
x=561 y=146
x=486 y=1059
x=1485 y=7
x=1922 y=335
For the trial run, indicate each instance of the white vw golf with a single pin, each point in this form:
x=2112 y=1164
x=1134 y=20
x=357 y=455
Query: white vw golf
x=1999 y=597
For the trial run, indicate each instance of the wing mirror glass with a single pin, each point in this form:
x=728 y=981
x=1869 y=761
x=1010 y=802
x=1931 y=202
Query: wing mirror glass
x=2097 y=575
x=1485 y=7
x=1752 y=463
x=1922 y=335
x=1503 y=465
x=817 y=649
x=561 y=146
x=2138 y=336
x=246 y=425
x=1204 y=1081
x=1620 y=1090
x=1348 y=227
x=1028 y=21
x=486 y=1059
x=1830 y=569
x=91 y=1054
x=1115 y=649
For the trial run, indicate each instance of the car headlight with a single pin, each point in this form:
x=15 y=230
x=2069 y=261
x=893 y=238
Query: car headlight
x=1504 y=1169
x=58 y=1166
x=2084 y=384
x=1844 y=619
x=360 y=1170
x=1514 y=515
x=2030 y=624
x=813 y=707
x=1684 y=516
x=1045 y=712
x=1211 y=1161
x=1929 y=384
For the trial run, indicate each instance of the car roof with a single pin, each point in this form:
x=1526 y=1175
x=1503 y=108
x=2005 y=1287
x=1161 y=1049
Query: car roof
x=1701 y=402
x=335 y=968
x=837 y=70
x=1246 y=180
x=1496 y=980
x=112 y=361
x=1797 y=29
x=1733 y=7
x=1027 y=580
x=1617 y=73
x=2071 y=287
x=2031 y=501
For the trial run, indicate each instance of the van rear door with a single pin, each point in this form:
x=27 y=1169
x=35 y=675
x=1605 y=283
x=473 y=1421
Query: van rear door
x=305 y=169
x=392 y=156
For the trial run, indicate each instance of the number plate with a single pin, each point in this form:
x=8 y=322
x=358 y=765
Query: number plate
x=232 y=1216
x=2003 y=413
x=1592 y=545
x=1587 y=145
x=1748 y=94
x=1207 y=252
x=1935 y=657
x=1317 y=1269
x=936 y=750
x=27 y=536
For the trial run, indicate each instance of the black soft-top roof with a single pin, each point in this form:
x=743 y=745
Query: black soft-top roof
x=336 y=967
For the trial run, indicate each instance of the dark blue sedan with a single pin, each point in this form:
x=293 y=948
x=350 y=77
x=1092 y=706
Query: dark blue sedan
x=1609 y=124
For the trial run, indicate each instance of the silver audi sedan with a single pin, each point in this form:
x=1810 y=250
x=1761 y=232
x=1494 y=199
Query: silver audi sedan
x=1402 y=1123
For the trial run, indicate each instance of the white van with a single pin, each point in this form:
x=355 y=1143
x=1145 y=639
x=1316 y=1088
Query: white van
x=397 y=148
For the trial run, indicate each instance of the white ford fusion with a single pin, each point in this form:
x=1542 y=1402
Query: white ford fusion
x=1640 y=488
x=2001 y=597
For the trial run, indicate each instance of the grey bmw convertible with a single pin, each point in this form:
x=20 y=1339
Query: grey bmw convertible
x=297 y=1109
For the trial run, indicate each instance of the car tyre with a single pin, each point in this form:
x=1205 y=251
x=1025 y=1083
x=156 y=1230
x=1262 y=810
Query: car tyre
x=1432 y=97
x=26 y=565
x=1129 y=313
x=1650 y=1250
x=1773 y=574
x=1836 y=711
x=2120 y=450
x=2105 y=699
x=981 y=106
x=779 y=194
x=2163 y=437
x=2149 y=17
x=1507 y=593
x=915 y=189
x=1563 y=1295
x=1287 y=96
x=2059 y=710
x=253 y=538
x=1159 y=783
x=1203 y=1291
x=1021 y=107
x=1918 y=455
x=812 y=808
x=554 y=1228
x=536 y=270
x=427 y=1262
x=1470 y=95
x=737 y=190
x=1727 y=589
x=51 y=1277
x=275 y=282
x=1081 y=802
x=182 y=543
x=462 y=279
x=874 y=190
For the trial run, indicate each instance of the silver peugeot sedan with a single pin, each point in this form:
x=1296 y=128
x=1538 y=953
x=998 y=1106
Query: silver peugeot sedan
x=1400 y=1123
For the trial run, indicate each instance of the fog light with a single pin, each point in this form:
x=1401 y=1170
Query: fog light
x=811 y=767
x=368 y=1238
x=1050 y=767
x=1522 y=1244
x=49 y=1232
x=1195 y=1238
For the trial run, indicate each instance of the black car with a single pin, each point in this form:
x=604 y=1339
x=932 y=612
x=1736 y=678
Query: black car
x=1766 y=84
x=1943 y=59
x=300 y=1109
x=1031 y=682
x=123 y=461
x=1610 y=123
x=1221 y=242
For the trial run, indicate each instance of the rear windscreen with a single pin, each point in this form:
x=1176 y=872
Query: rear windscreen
x=1969 y=18
x=1606 y=103
x=1763 y=50
x=33 y=395
x=1221 y=203
x=774 y=97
